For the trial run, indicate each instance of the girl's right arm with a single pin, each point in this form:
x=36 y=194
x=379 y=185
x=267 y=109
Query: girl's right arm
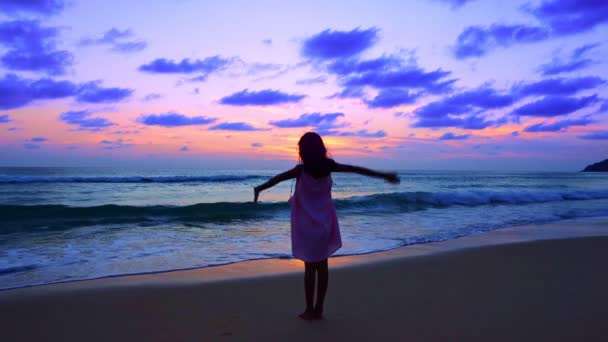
x=390 y=177
x=293 y=173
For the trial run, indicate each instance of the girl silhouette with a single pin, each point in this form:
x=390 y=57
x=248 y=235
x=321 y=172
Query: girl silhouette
x=315 y=234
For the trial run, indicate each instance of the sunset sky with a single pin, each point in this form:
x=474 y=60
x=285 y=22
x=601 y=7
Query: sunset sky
x=425 y=84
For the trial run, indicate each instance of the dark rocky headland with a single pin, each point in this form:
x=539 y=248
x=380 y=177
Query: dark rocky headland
x=597 y=167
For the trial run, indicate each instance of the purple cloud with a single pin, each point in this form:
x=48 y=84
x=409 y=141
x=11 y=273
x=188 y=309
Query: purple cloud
x=110 y=37
x=32 y=47
x=257 y=145
x=234 y=126
x=388 y=98
x=597 y=135
x=452 y=136
x=129 y=47
x=151 y=97
x=476 y=41
x=50 y=62
x=455 y=4
x=349 y=93
x=558 y=86
x=392 y=75
x=83 y=120
x=173 y=120
x=184 y=149
x=121 y=132
x=114 y=144
x=447 y=112
x=260 y=98
x=317 y=120
x=91 y=92
x=349 y=66
x=470 y=101
x=363 y=133
x=565 y=17
x=45 y=7
x=582 y=50
x=200 y=78
x=17 y=92
x=256 y=68
x=576 y=62
x=186 y=66
x=557 y=67
x=469 y=122
x=408 y=77
x=558 y=18
x=483 y=97
x=115 y=39
x=313 y=80
x=4 y=118
x=558 y=126
x=330 y=44
x=555 y=105
x=38 y=139
x=31 y=146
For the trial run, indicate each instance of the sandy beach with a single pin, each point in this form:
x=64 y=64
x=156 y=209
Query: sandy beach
x=534 y=283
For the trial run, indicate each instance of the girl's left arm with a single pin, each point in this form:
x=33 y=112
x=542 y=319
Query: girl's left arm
x=293 y=173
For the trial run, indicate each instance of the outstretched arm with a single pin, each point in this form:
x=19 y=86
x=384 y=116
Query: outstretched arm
x=390 y=177
x=293 y=173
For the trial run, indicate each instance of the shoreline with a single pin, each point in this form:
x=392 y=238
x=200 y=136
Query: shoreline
x=269 y=267
x=527 y=283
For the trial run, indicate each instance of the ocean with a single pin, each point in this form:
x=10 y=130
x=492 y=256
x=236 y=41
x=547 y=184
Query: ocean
x=65 y=224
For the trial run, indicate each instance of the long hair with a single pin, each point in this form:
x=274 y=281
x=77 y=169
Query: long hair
x=313 y=155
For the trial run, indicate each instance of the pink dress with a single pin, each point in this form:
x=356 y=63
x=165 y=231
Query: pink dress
x=315 y=234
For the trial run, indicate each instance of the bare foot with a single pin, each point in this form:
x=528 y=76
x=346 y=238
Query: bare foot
x=318 y=315
x=307 y=315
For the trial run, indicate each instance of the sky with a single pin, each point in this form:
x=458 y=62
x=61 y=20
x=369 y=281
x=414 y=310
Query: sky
x=425 y=84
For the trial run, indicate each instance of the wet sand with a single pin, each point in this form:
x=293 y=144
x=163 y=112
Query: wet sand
x=544 y=282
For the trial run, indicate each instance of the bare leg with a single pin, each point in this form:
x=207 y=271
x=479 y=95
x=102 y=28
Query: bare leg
x=309 y=289
x=323 y=272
